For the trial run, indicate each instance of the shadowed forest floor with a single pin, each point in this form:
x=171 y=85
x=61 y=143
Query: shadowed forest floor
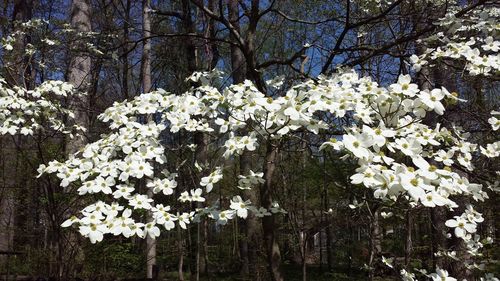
x=293 y=273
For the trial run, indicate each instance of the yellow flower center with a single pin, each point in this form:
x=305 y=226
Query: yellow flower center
x=414 y=182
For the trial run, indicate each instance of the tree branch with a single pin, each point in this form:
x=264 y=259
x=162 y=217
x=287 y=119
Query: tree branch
x=288 y=61
x=348 y=26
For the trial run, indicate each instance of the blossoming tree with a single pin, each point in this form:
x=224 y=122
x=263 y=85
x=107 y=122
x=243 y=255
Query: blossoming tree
x=399 y=156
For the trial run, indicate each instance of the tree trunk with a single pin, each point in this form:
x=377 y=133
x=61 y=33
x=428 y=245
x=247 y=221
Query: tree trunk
x=189 y=44
x=201 y=155
x=199 y=251
x=237 y=57
x=249 y=226
x=151 y=270
x=438 y=235
x=251 y=53
x=17 y=73
x=180 y=248
x=458 y=268
x=125 y=67
x=79 y=73
x=17 y=68
x=425 y=78
x=268 y=222
x=375 y=243
x=329 y=258
x=9 y=186
x=304 y=233
x=408 y=240
x=304 y=237
x=146 y=46
x=214 y=55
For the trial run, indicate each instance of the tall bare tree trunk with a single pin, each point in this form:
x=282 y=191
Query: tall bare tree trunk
x=190 y=46
x=125 y=67
x=303 y=243
x=238 y=72
x=17 y=73
x=198 y=254
x=79 y=72
x=79 y=75
x=146 y=46
x=151 y=270
x=438 y=234
x=213 y=57
x=329 y=258
x=375 y=242
x=180 y=248
x=17 y=68
x=437 y=215
x=408 y=240
x=8 y=195
x=249 y=226
x=268 y=222
x=304 y=234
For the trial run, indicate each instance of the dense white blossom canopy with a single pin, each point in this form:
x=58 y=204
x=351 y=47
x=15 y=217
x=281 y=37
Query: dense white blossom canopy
x=400 y=157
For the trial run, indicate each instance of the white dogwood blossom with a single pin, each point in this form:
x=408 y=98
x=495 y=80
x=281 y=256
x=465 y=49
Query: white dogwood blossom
x=25 y=111
x=250 y=180
x=477 y=53
x=240 y=206
x=209 y=181
x=442 y=275
x=399 y=157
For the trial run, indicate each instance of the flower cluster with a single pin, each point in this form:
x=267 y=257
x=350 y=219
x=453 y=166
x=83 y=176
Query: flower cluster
x=479 y=51
x=25 y=111
x=250 y=180
x=398 y=155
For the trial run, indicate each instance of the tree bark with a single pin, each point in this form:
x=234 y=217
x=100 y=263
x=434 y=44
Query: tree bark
x=438 y=234
x=180 y=248
x=304 y=233
x=249 y=226
x=201 y=260
x=329 y=258
x=237 y=58
x=268 y=222
x=17 y=68
x=408 y=239
x=8 y=195
x=151 y=270
x=375 y=242
x=425 y=78
x=250 y=52
x=125 y=67
x=304 y=237
x=79 y=75
x=199 y=252
x=146 y=46
x=16 y=71
x=79 y=72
